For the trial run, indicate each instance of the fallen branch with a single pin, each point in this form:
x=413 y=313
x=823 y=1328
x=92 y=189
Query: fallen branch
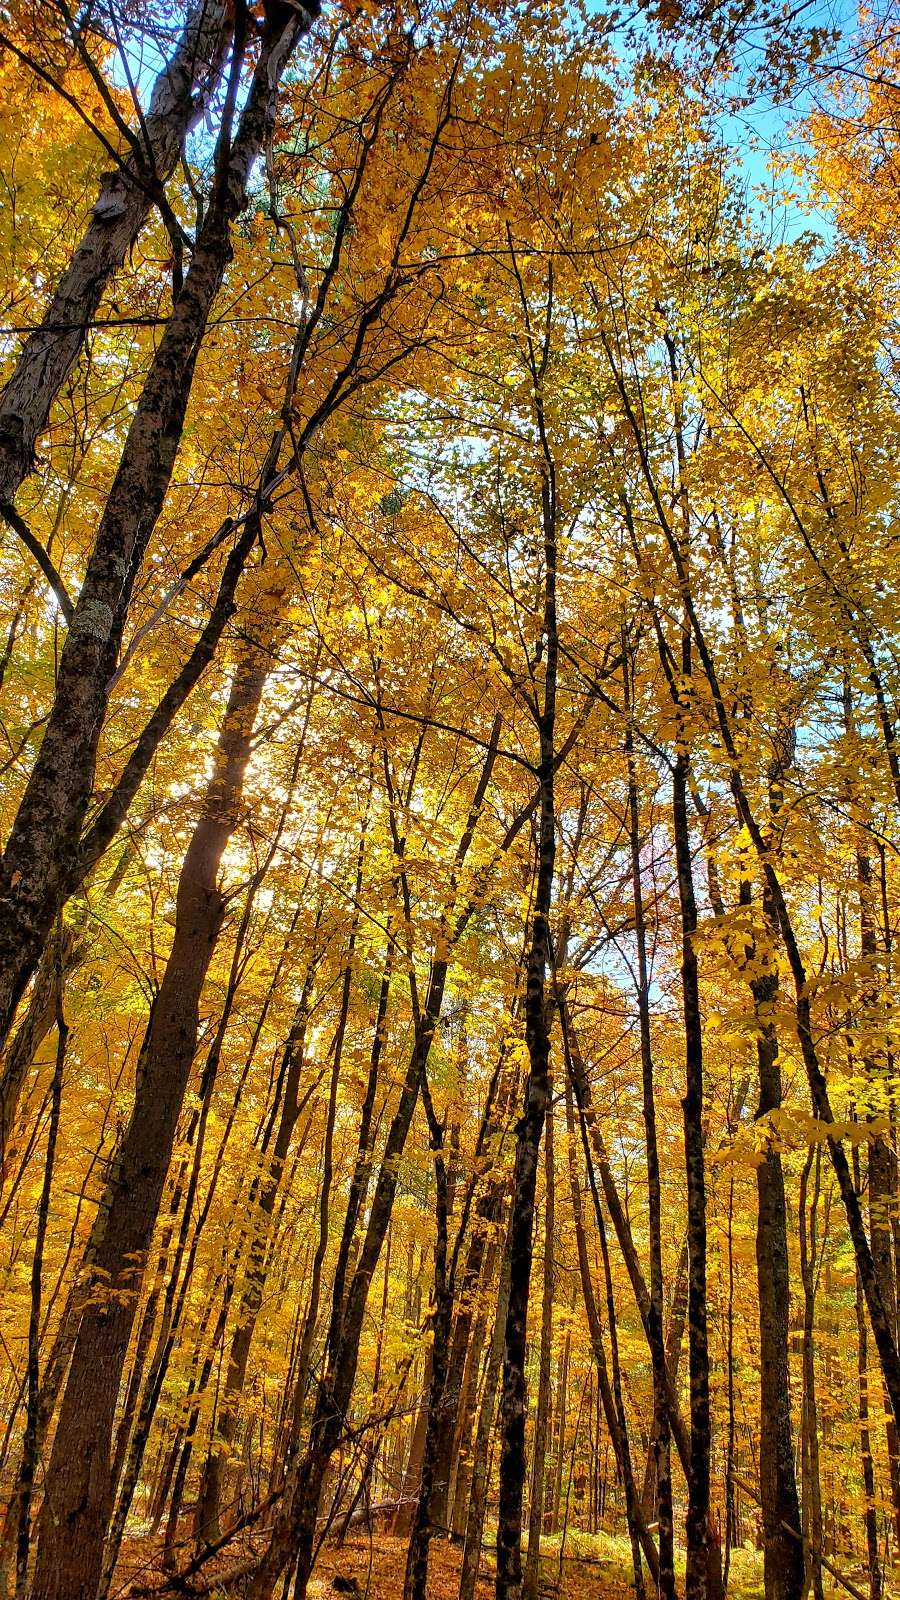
x=829 y=1566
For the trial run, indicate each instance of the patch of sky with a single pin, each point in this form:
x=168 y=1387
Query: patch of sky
x=761 y=104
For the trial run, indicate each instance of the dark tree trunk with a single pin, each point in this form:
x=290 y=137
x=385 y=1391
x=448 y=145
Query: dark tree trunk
x=622 y=1228
x=542 y=1412
x=882 y=1196
x=812 y=1485
x=416 y=1580
x=698 y=1346
x=66 y=950
x=615 y=1420
x=882 y=1323
x=182 y=91
x=401 y=1526
x=659 y=1457
x=463 y=1448
x=79 y=1486
x=294 y=1526
x=783 y=1554
x=293 y=1530
x=481 y=1452
x=537 y=1037
x=263 y=1202
x=870 y=1514
x=31 y=1444
x=454 y=1418
x=44 y=837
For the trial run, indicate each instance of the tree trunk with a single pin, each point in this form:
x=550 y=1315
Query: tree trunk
x=698 y=1349
x=478 y=1492
x=401 y=1527
x=462 y=1455
x=615 y=1419
x=870 y=1513
x=128 y=193
x=66 y=950
x=882 y=1197
x=31 y=1444
x=263 y=1202
x=416 y=1579
x=537 y=1040
x=79 y=1487
x=294 y=1526
x=43 y=840
x=659 y=1455
x=552 y=1516
x=542 y=1414
x=293 y=1529
x=454 y=1421
x=783 y=1556
x=812 y=1486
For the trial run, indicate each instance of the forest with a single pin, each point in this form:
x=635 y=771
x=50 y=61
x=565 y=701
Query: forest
x=450 y=799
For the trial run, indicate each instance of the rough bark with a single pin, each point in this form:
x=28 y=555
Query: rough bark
x=783 y=1555
x=128 y=194
x=44 y=836
x=698 y=1345
x=659 y=1454
x=78 y=1498
x=480 y=1455
x=542 y=1413
x=537 y=1036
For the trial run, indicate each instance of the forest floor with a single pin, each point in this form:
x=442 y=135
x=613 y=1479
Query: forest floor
x=596 y=1567
x=377 y=1566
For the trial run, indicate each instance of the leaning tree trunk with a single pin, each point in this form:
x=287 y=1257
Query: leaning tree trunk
x=129 y=192
x=209 y=1500
x=44 y=837
x=79 y=1489
x=294 y=1526
x=616 y=1421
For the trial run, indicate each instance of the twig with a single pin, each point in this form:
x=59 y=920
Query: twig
x=36 y=549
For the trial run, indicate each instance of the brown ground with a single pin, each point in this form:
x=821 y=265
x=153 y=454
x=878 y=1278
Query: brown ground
x=377 y=1568
x=388 y=1560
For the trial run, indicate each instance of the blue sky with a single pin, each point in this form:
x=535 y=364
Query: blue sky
x=751 y=133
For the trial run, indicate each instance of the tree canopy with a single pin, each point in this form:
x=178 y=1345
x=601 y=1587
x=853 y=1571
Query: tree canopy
x=450 y=798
